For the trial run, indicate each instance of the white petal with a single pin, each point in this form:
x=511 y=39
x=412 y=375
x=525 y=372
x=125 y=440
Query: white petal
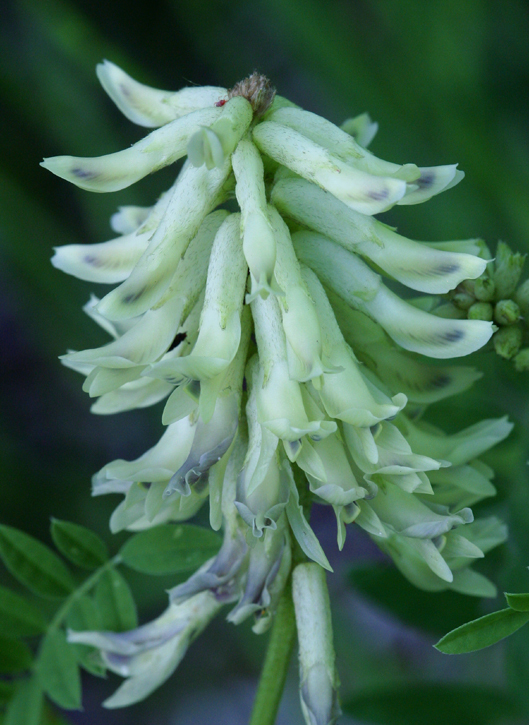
x=366 y=193
x=151 y=107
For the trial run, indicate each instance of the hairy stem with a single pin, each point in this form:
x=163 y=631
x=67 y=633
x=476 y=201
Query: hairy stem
x=276 y=662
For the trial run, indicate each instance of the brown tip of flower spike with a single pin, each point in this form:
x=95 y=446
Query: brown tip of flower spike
x=257 y=89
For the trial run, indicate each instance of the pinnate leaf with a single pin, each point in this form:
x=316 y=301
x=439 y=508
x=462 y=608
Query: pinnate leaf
x=84 y=615
x=26 y=705
x=78 y=544
x=170 y=549
x=115 y=602
x=34 y=564
x=58 y=672
x=518 y=602
x=482 y=632
x=18 y=616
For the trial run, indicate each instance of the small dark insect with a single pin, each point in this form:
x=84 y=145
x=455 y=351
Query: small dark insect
x=220 y=103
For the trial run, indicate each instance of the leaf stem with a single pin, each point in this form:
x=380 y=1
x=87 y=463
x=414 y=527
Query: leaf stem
x=275 y=667
x=85 y=587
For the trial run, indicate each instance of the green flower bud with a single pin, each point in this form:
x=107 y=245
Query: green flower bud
x=521 y=361
x=507 y=270
x=522 y=298
x=484 y=289
x=318 y=677
x=481 y=311
x=463 y=300
x=507 y=341
x=506 y=312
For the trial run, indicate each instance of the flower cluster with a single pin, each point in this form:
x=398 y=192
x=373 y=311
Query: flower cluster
x=291 y=370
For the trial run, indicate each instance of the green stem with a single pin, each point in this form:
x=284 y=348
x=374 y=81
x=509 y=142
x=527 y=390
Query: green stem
x=85 y=587
x=275 y=667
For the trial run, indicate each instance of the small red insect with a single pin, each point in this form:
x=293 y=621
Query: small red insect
x=220 y=103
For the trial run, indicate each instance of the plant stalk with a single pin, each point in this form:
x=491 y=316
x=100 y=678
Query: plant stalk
x=277 y=659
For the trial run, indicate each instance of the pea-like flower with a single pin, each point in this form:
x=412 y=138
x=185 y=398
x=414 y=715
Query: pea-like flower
x=276 y=329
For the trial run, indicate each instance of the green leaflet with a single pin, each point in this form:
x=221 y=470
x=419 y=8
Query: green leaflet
x=435 y=704
x=482 y=632
x=26 y=705
x=518 y=602
x=58 y=672
x=80 y=545
x=15 y=656
x=84 y=616
x=34 y=564
x=115 y=603
x=170 y=549
x=18 y=616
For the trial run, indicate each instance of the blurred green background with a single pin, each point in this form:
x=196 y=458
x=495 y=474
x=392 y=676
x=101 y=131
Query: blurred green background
x=447 y=82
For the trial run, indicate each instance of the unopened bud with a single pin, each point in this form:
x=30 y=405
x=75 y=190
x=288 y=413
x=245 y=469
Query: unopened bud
x=484 y=289
x=522 y=298
x=506 y=312
x=521 y=361
x=481 y=311
x=507 y=270
x=463 y=300
x=318 y=678
x=507 y=341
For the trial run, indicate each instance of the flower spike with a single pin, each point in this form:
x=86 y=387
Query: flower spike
x=285 y=362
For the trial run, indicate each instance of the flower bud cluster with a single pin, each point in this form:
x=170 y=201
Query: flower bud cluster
x=497 y=297
x=285 y=360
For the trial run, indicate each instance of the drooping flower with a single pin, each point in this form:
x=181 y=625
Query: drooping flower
x=286 y=361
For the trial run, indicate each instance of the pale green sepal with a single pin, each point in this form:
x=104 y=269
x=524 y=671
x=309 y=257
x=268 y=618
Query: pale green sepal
x=192 y=270
x=299 y=316
x=129 y=218
x=151 y=107
x=362 y=128
x=420 y=382
x=366 y=193
x=104 y=263
x=486 y=533
x=302 y=531
x=458 y=546
x=259 y=244
x=195 y=194
x=419 y=267
x=310 y=462
x=405 y=514
x=123 y=168
x=458 y=448
x=158 y=463
x=280 y=403
x=433 y=180
x=104 y=380
x=143 y=343
x=474 y=584
x=211 y=440
x=344 y=392
x=220 y=322
x=139 y=393
x=262 y=509
x=213 y=145
x=420 y=561
x=179 y=405
x=369 y=521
